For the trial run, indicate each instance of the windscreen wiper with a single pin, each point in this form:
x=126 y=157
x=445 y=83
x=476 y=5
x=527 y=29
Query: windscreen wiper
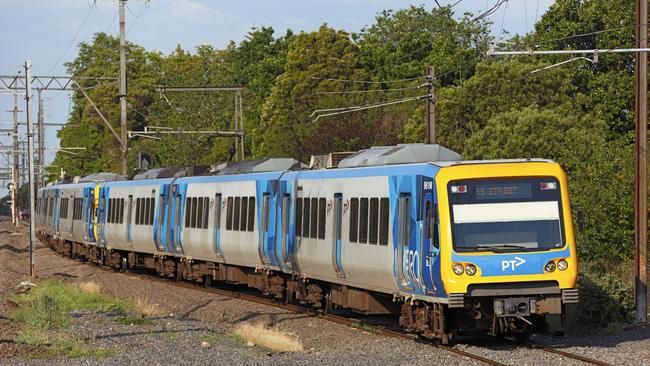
x=503 y=248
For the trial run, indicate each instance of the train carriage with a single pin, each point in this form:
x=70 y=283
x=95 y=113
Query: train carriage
x=449 y=246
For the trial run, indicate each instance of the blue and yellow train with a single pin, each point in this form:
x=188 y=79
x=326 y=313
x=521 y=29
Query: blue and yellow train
x=451 y=247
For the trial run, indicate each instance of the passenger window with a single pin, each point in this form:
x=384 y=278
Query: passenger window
x=374 y=220
x=251 y=214
x=305 y=217
x=188 y=204
x=363 y=221
x=206 y=211
x=244 y=213
x=297 y=227
x=314 y=218
x=199 y=213
x=428 y=220
x=236 y=212
x=384 y=214
x=436 y=236
x=322 y=212
x=138 y=208
x=229 y=213
x=405 y=219
x=354 y=219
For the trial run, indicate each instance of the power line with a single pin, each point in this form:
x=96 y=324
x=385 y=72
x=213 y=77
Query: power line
x=74 y=37
x=372 y=90
x=368 y=81
x=370 y=106
x=490 y=11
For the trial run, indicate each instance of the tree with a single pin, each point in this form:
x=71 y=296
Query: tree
x=599 y=170
x=287 y=128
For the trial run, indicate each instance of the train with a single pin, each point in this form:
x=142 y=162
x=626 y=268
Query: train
x=448 y=247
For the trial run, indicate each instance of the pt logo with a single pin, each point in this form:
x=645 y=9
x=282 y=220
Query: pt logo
x=512 y=264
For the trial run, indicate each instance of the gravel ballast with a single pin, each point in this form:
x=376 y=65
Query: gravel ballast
x=190 y=318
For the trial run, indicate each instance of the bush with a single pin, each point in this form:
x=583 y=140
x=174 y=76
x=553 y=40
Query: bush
x=606 y=302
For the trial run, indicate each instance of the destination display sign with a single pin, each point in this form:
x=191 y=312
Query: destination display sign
x=506 y=190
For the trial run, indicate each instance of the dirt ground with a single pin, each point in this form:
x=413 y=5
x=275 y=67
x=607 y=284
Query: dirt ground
x=186 y=318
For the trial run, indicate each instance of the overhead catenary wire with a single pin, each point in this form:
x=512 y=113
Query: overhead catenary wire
x=368 y=81
x=370 y=106
x=67 y=48
x=373 y=90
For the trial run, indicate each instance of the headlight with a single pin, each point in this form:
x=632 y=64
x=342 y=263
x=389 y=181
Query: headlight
x=562 y=265
x=470 y=269
x=458 y=269
x=550 y=266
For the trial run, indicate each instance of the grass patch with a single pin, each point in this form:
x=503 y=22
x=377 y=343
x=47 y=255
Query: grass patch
x=132 y=320
x=45 y=309
x=74 y=347
x=147 y=308
x=272 y=338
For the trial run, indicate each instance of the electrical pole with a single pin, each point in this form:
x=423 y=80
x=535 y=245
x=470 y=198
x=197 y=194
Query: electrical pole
x=640 y=165
x=123 y=146
x=431 y=105
x=41 y=138
x=16 y=166
x=30 y=153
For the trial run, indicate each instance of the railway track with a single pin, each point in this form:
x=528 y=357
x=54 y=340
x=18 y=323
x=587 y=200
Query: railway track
x=351 y=322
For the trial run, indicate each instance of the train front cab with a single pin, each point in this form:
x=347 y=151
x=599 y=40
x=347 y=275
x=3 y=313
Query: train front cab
x=507 y=246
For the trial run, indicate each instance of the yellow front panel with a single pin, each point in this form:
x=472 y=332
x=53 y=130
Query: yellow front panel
x=458 y=284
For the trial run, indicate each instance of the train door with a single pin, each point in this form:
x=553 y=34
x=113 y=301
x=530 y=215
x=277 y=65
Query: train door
x=101 y=216
x=404 y=234
x=430 y=247
x=216 y=225
x=338 y=224
x=129 y=219
x=55 y=215
x=264 y=228
x=176 y=209
x=159 y=233
x=286 y=254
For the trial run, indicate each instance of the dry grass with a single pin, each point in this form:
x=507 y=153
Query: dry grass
x=147 y=308
x=90 y=287
x=271 y=338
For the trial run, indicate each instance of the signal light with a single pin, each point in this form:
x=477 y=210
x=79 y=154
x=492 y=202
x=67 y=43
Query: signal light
x=459 y=189
x=547 y=186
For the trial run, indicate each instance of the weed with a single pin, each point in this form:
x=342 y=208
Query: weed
x=133 y=320
x=271 y=338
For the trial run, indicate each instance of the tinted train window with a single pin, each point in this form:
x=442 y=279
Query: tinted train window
x=251 y=214
x=229 y=213
x=354 y=219
x=374 y=220
x=244 y=213
x=235 y=220
x=384 y=214
x=314 y=218
x=206 y=210
x=188 y=203
x=363 y=221
x=297 y=227
x=305 y=217
x=322 y=209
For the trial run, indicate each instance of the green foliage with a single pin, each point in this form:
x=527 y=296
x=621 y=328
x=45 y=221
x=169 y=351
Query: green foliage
x=132 y=320
x=606 y=298
x=46 y=306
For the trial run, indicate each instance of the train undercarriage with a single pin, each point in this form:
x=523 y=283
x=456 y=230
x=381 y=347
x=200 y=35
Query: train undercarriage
x=516 y=317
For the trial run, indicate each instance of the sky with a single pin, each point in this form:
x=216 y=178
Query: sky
x=47 y=32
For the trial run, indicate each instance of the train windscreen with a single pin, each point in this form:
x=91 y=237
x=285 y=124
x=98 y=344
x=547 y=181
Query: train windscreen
x=506 y=215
